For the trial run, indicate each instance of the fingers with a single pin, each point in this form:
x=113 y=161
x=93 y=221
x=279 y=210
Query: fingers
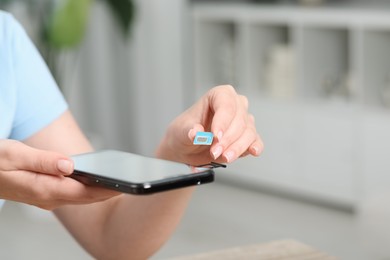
x=237 y=135
x=18 y=156
x=240 y=148
x=46 y=162
x=224 y=103
x=78 y=193
x=50 y=192
x=248 y=143
x=240 y=140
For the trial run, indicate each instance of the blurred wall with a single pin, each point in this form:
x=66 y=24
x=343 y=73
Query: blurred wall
x=125 y=92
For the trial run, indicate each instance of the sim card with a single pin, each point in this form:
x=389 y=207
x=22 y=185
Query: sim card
x=203 y=138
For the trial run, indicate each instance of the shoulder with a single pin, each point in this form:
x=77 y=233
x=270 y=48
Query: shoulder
x=5 y=19
x=12 y=33
x=10 y=30
x=7 y=83
x=7 y=25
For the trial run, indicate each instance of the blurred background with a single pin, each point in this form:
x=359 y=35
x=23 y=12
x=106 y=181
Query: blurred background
x=317 y=74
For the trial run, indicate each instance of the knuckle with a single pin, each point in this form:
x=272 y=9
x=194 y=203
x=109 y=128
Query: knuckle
x=230 y=87
x=231 y=90
x=252 y=137
x=242 y=123
x=252 y=119
x=260 y=141
x=226 y=88
x=256 y=136
x=244 y=101
x=11 y=149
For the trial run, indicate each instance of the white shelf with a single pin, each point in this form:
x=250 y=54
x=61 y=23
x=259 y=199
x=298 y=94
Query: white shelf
x=327 y=16
x=315 y=78
x=376 y=66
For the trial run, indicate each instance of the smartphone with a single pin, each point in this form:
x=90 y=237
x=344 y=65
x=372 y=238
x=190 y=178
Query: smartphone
x=136 y=174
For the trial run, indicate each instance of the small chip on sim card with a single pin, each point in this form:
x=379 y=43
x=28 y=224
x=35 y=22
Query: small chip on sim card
x=203 y=138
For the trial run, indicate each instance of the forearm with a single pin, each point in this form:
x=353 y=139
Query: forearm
x=139 y=225
x=133 y=226
x=152 y=220
x=125 y=226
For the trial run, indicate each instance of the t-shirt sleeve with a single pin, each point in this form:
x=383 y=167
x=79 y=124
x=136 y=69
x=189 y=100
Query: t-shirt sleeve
x=38 y=99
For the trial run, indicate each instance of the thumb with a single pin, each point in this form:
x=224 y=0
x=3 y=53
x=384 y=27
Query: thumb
x=192 y=132
x=23 y=157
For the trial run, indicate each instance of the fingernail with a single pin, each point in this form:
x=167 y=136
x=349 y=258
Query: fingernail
x=229 y=156
x=217 y=152
x=65 y=166
x=191 y=134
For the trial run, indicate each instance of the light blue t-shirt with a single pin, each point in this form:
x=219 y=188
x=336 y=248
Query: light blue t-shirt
x=29 y=96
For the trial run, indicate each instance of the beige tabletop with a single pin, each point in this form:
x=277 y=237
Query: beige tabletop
x=276 y=250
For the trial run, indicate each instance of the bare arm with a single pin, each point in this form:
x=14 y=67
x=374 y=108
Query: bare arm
x=127 y=225
x=135 y=227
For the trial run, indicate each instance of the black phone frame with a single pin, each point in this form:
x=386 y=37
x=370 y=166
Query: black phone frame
x=192 y=179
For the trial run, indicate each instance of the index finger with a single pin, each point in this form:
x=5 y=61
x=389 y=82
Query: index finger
x=223 y=102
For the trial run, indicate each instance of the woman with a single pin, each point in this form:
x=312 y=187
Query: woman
x=38 y=134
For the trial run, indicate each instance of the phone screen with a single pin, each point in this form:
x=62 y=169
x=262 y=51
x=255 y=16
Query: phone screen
x=136 y=173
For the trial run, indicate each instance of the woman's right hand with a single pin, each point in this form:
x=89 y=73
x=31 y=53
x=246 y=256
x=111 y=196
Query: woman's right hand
x=39 y=178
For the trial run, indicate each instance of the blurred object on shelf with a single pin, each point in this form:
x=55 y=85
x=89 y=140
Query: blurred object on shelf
x=338 y=86
x=59 y=26
x=280 y=71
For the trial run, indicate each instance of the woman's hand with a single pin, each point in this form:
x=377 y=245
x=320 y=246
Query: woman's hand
x=224 y=113
x=38 y=177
